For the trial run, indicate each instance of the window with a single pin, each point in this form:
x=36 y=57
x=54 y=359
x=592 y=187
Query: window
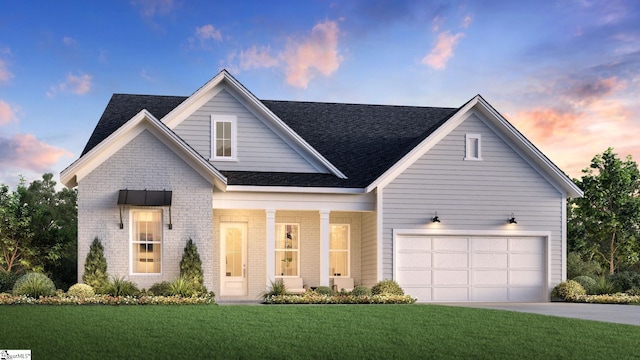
x=146 y=241
x=339 y=251
x=223 y=135
x=473 y=147
x=287 y=249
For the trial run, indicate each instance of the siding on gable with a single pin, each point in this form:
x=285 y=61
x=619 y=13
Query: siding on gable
x=259 y=148
x=145 y=163
x=473 y=195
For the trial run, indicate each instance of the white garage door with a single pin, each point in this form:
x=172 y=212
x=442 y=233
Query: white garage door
x=467 y=268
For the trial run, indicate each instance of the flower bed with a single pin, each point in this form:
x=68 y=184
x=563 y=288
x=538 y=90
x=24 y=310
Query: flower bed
x=311 y=297
x=617 y=298
x=6 y=299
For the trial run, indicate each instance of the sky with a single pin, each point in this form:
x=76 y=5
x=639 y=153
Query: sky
x=566 y=73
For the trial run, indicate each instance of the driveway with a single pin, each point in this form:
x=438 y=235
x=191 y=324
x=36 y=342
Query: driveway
x=622 y=314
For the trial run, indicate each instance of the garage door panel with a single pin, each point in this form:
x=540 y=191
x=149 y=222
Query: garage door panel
x=451 y=294
x=489 y=260
x=414 y=260
x=414 y=277
x=527 y=244
x=416 y=243
x=449 y=260
x=490 y=244
x=491 y=277
x=534 y=261
x=451 y=277
x=526 y=278
x=451 y=244
x=421 y=293
x=525 y=294
x=491 y=294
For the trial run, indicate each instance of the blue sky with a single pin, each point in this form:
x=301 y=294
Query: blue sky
x=565 y=73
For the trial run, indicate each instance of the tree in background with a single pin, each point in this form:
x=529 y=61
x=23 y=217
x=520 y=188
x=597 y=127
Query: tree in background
x=605 y=223
x=95 y=267
x=17 y=250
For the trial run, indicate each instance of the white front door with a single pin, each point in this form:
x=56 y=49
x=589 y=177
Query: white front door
x=233 y=262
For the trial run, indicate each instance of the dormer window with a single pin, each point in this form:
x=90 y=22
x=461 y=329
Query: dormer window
x=473 y=147
x=223 y=135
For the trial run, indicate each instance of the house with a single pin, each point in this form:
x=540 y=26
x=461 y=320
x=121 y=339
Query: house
x=454 y=204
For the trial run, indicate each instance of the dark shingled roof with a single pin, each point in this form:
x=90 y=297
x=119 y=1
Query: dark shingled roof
x=362 y=141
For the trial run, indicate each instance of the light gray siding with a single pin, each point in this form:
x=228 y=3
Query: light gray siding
x=259 y=148
x=145 y=163
x=473 y=195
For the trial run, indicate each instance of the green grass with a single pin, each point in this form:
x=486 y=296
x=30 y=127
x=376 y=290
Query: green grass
x=306 y=332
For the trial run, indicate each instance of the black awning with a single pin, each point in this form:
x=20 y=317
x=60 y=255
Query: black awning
x=144 y=197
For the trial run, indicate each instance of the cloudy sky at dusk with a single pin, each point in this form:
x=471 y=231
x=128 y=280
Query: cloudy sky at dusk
x=566 y=73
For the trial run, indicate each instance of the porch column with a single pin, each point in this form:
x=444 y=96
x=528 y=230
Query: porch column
x=271 y=245
x=324 y=247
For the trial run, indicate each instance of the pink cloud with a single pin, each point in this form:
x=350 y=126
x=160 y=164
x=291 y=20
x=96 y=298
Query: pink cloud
x=151 y=8
x=207 y=32
x=254 y=58
x=467 y=21
x=7 y=114
x=317 y=54
x=24 y=151
x=442 y=51
x=5 y=74
x=78 y=84
x=543 y=123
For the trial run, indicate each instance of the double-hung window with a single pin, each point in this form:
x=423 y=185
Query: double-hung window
x=339 y=248
x=287 y=250
x=146 y=241
x=223 y=137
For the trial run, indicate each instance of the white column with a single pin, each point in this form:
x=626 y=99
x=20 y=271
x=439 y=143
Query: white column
x=324 y=247
x=271 y=245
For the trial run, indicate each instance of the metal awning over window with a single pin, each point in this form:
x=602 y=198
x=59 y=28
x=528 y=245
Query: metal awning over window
x=144 y=198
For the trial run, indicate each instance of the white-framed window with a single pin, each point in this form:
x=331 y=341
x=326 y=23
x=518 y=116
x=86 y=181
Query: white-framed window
x=473 y=147
x=287 y=250
x=339 y=250
x=146 y=241
x=223 y=137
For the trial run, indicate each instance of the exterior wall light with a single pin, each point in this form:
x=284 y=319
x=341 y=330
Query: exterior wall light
x=512 y=219
x=435 y=219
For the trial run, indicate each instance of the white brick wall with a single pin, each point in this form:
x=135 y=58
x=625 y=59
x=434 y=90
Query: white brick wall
x=145 y=163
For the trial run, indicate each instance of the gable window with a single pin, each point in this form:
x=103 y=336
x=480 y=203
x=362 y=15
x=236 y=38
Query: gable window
x=339 y=251
x=473 y=147
x=146 y=241
x=287 y=249
x=223 y=135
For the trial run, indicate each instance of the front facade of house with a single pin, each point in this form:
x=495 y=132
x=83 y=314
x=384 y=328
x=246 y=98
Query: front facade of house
x=317 y=191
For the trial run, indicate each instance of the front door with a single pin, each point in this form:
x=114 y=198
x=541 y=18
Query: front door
x=233 y=269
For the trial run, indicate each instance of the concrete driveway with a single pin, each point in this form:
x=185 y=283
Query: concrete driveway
x=622 y=314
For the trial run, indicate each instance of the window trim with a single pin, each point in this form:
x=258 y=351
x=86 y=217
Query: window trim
x=348 y=251
x=468 y=147
x=215 y=118
x=276 y=249
x=132 y=241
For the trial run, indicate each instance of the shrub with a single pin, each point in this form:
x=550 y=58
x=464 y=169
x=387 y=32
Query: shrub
x=191 y=267
x=119 y=286
x=576 y=266
x=95 y=267
x=276 y=288
x=603 y=286
x=160 y=289
x=587 y=283
x=361 y=291
x=634 y=291
x=183 y=287
x=81 y=291
x=625 y=280
x=7 y=280
x=387 y=287
x=34 y=285
x=324 y=290
x=567 y=290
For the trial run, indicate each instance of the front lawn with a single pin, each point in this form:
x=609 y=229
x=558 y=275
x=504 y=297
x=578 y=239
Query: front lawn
x=306 y=332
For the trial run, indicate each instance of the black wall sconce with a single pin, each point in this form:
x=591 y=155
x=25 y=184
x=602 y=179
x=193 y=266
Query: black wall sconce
x=435 y=219
x=512 y=219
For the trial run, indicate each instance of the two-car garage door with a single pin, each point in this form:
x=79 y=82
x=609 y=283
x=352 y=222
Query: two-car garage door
x=471 y=268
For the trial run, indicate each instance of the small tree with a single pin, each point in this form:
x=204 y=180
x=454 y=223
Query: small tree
x=95 y=266
x=191 y=266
